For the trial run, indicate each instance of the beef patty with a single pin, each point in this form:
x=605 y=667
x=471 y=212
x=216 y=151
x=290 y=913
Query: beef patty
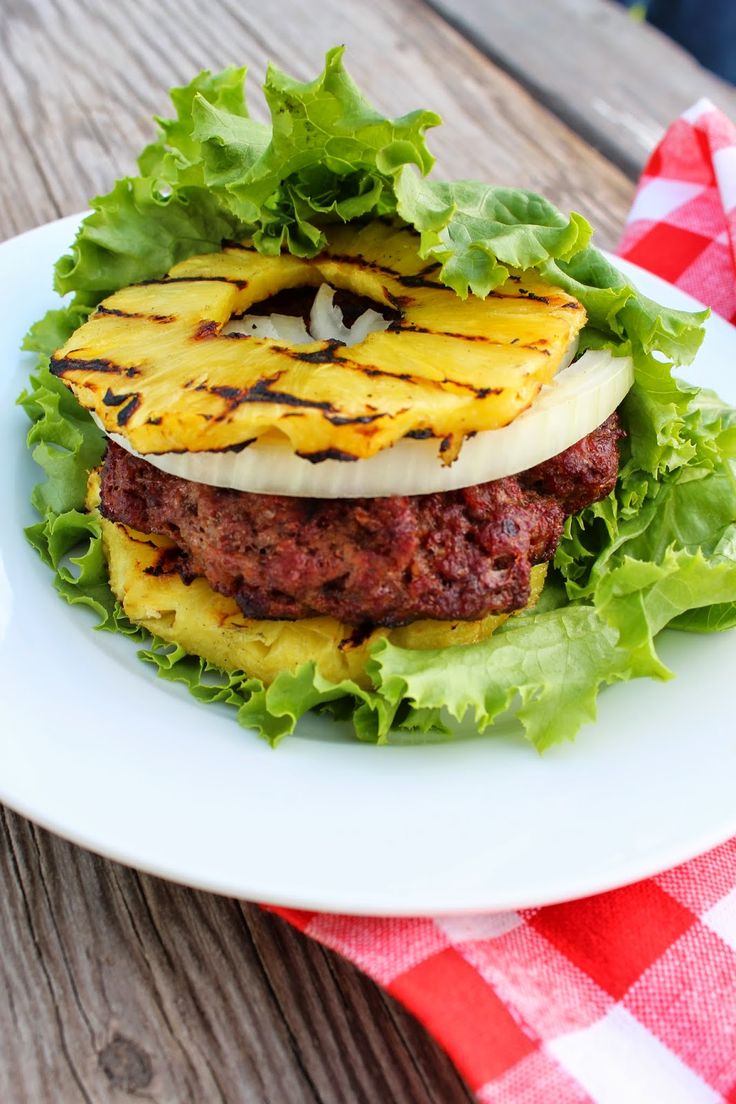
x=457 y=555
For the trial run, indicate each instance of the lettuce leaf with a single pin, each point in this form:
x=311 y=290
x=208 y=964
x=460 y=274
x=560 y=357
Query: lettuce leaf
x=659 y=551
x=617 y=310
x=639 y=598
x=478 y=232
x=176 y=154
x=137 y=232
x=64 y=442
x=548 y=667
x=329 y=156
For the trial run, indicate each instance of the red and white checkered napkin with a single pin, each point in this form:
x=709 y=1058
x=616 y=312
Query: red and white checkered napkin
x=683 y=222
x=628 y=997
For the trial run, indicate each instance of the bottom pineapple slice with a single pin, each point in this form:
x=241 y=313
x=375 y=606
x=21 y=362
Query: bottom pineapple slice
x=210 y=625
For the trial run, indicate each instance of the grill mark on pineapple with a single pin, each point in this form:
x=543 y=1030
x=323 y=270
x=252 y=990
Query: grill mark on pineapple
x=60 y=365
x=261 y=392
x=327 y=454
x=419 y=281
x=125 y=413
x=327 y=354
x=412 y=327
x=552 y=301
x=117 y=313
x=196 y=280
x=522 y=294
x=208 y=327
x=425 y=434
x=372 y=372
x=170 y=561
x=531 y=295
x=398 y=302
x=358 y=419
x=239 y=446
x=131 y=399
x=357 y=260
x=111 y=399
x=135 y=537
x=416 y=280
x=358 y=636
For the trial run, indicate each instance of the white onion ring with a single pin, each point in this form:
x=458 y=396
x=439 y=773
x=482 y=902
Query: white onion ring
x=578 y=400
x=326 y=323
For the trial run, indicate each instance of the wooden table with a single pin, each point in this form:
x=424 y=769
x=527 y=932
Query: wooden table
x=119 y=986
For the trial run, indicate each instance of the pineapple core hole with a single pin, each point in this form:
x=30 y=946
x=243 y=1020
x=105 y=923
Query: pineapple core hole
x=299 y=316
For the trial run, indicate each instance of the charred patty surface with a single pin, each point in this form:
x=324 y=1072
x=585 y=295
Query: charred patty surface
x=458 y=555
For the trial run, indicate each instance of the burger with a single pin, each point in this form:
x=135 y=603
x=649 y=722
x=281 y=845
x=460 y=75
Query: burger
x=297 y=474
x=335 y=420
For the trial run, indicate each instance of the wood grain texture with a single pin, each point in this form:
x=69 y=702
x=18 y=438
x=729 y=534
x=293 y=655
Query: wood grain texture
x=619 y=83
x=118 y=986
x=82 y=79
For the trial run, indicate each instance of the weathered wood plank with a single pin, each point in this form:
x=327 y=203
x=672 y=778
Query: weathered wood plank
x=118 y=986
x=104 y=74
x=617 y=82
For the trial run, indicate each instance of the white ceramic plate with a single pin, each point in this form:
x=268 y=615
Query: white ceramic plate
x=93 y=746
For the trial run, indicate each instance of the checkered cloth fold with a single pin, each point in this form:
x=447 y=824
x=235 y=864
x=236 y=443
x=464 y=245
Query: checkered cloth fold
x=683 y=222
x=628 y=997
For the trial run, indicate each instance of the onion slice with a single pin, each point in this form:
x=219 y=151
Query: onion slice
x=326 y=323
x=578 y=400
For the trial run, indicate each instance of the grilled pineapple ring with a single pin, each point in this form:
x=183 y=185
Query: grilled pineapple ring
x=153 y=365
